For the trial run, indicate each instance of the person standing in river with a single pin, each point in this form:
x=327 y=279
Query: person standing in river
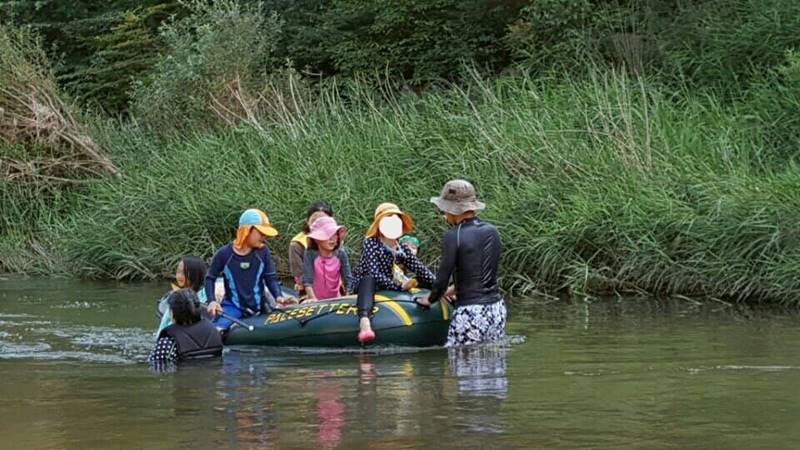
x=471 y=253
x=190 y=336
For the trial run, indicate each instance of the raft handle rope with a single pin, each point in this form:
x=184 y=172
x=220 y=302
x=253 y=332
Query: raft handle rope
x=237 y=321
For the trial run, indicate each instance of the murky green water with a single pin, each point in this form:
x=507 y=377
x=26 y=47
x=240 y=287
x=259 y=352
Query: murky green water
x=611 y=374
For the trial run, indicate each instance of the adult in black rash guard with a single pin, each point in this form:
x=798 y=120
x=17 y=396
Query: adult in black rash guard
x=470 y=253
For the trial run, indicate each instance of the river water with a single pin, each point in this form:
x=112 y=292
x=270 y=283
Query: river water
x=606 y=374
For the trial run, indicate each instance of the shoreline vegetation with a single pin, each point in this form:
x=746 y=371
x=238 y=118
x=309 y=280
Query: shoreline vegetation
x=670 y=175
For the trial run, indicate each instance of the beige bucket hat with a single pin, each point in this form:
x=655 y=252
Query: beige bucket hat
x=458 y=197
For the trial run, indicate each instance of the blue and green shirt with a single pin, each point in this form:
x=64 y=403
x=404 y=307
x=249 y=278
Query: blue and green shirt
x=245 y=277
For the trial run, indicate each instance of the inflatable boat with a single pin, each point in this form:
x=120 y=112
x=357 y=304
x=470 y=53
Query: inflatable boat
x=397 y=320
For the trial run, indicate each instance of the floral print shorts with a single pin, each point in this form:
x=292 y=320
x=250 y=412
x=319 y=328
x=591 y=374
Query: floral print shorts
x=473 y=324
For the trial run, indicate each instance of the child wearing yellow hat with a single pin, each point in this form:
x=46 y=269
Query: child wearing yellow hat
x=381 y=255
x=246 y=267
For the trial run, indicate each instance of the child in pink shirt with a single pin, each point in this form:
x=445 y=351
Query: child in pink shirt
x=326 y=269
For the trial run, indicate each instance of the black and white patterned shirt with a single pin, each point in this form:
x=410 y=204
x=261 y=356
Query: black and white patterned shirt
x=165 y=351
x=377 y=260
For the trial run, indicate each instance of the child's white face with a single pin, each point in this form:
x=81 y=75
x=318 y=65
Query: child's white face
x=412 y=248
x=330 y=244
x=180 y=277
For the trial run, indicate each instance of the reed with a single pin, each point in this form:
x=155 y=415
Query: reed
x=598 y=185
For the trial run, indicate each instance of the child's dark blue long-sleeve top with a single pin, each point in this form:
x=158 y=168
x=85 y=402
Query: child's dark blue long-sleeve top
x=245 y=277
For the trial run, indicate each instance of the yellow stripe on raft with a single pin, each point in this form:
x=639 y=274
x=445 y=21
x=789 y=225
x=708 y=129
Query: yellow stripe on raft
x=445 y=309
x=397 y=309
x=394 y=307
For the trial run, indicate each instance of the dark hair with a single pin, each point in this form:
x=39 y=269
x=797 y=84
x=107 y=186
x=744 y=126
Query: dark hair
x=184 y=306
x=194 y=269
x=319 y=205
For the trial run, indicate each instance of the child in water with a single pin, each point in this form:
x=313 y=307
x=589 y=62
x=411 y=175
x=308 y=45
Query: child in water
x=326 y=269
x=189 y=274
x=190 y=336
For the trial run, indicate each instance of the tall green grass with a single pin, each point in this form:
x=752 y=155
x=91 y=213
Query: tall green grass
x=597 y=185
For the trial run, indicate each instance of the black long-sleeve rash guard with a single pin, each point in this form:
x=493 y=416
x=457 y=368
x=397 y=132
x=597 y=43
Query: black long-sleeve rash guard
x=471 y=250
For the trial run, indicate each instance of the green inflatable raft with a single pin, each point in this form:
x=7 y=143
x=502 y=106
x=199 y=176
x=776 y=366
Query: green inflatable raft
x=397 y=321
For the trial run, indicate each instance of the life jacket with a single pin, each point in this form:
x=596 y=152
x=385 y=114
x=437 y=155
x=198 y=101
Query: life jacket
x=302 y=239
x=199 y=340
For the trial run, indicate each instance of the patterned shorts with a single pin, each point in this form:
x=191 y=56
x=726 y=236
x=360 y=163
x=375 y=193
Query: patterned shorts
x=473 y=324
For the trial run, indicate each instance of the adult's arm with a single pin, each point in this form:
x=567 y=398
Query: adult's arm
x=446 y=267
x=421 y=271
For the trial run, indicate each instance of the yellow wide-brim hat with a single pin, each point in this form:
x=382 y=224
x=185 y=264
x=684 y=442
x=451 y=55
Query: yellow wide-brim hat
x=389 y=209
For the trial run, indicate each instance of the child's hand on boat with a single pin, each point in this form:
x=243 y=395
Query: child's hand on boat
x=214 y=309
x=409 y=284
x=286 y=301
x=424 y=301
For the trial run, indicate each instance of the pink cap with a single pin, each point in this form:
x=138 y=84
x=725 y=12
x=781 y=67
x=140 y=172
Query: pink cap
x=324 y=228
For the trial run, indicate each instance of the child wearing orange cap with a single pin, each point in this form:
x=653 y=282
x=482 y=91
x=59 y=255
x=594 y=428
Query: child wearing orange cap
x=246 y=267
x=381 y=256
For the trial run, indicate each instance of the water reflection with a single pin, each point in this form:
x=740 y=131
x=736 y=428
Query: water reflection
x=331 y=417
x=480 y=374
x=260 y=398
x=480 y=370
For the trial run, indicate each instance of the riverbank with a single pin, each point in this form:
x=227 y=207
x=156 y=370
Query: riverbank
x=598 y=183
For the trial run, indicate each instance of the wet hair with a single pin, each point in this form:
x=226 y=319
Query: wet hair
x=194 y=269
x=184 y=306
x=319 y=205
